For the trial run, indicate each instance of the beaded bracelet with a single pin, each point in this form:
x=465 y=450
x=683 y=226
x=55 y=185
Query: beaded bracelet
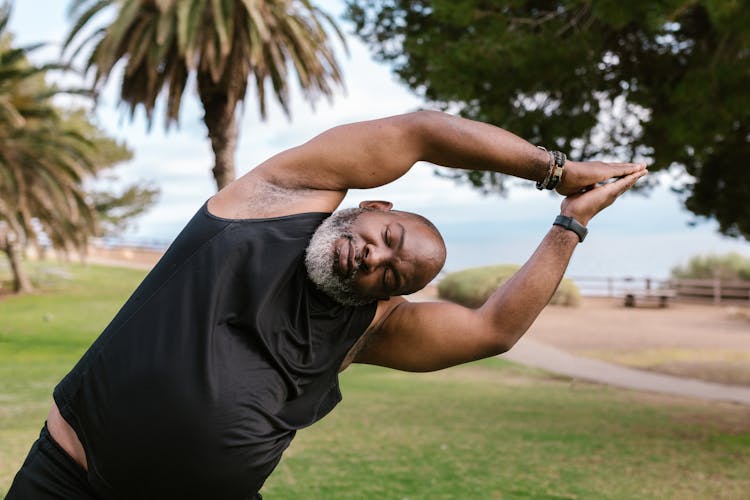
x=554 y=171
x=542 y=184
x=559 y=165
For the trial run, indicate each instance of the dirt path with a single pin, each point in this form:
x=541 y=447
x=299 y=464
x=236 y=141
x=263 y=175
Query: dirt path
x=532 y=353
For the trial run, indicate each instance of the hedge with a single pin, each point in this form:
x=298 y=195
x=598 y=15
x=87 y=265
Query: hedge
x=472 y=287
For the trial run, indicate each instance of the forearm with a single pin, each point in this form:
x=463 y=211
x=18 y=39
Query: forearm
x=510 y=311
x=456 y=142
x=516 y=304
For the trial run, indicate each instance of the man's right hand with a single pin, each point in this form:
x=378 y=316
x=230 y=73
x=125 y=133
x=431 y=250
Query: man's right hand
x=582 y=206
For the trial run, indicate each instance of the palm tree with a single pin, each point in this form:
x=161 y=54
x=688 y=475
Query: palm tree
x=43 y=163
x=223 y=43
x=18 y=103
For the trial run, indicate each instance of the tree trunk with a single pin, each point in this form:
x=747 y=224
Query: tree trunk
x=222 y=128
x=21 y=282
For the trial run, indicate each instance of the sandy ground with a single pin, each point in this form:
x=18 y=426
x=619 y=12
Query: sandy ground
x=136 y=258
x=703 y=341
x=607 y=324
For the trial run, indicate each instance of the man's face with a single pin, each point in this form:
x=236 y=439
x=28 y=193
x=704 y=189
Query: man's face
x=358 y=256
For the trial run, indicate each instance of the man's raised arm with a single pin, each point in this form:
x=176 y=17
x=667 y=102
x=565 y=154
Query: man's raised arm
x=431 y=336
x=373 y=153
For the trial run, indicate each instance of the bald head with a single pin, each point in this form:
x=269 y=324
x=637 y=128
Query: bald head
x=361 y=255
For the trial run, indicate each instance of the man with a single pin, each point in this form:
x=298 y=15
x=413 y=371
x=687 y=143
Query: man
x=235 y=339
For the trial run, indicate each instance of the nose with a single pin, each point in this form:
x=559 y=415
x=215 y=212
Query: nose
x=374 y=256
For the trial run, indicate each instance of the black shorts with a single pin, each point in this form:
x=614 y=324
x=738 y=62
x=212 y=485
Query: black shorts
x=49 y=472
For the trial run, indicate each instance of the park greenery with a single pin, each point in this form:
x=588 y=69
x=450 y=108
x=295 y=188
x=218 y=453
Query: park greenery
x=48 y=156
x=491 y=429
x=661 y=82
x=731 y=266
x=225 y=45
x=472 y=287
x=483 y=430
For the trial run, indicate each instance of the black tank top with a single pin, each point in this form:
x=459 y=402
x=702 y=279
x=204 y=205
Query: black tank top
x=200 y=381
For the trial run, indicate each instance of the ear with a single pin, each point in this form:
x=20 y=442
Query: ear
x=381 y=205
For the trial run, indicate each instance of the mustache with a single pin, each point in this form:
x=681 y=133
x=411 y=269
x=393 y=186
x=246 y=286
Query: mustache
x=357 y=260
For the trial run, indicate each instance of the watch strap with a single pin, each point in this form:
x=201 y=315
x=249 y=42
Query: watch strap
x=571 y=224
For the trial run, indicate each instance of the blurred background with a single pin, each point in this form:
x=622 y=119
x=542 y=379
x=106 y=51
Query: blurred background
x=120 y=118
x=664 y=84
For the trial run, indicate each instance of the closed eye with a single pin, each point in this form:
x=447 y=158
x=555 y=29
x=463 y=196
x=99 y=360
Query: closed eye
x=391 y=282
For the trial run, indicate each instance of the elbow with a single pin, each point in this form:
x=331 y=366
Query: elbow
x=502 y=341
x=502 y=345
x=424 y=123
x=494 y=343
x=426 y=115
x=499 y=334
x=431 y=113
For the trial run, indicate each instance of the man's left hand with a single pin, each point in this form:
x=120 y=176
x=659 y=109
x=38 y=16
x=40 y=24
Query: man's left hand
x=584 y=205
x=582 y=175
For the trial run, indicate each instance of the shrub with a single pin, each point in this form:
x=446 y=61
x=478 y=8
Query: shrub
x=472 y=287
x=731 y=266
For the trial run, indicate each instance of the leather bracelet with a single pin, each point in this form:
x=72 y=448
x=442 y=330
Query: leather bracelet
x=555 y=170
x=550 y=167
x=571 y=224
x=559 y=161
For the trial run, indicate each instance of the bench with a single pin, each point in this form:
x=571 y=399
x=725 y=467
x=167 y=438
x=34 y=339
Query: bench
x=661 y=297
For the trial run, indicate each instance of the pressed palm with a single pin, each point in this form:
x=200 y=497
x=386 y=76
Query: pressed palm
x=225 y=45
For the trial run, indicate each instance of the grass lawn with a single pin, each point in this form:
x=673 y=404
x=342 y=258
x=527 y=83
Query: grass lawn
x=486 y=430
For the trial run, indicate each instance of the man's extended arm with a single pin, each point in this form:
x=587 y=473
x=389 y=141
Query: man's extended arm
x=373 y=153
x=430 y=336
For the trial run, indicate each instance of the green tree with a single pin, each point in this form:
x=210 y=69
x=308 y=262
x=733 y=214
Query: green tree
x=30 y=180
x=116 y=211
x=225 y=44
x=660 y=81
x=115 y=208
x=46 y=157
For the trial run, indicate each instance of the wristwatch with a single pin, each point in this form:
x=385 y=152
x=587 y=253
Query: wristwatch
x=571 y=224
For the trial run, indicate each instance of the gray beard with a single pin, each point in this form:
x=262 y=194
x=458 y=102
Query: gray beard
x=320 y=257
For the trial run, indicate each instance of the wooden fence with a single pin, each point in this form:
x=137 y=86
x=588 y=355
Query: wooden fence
x=705 y=290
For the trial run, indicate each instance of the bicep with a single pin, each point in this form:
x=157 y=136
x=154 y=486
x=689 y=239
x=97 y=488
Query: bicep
x=430 y=336
x=354 y=156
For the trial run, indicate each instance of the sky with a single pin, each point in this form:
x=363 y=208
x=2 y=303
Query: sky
x=637 y=236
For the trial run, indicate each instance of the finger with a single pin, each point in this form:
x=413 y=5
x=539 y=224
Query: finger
x=623 y=169
x=623 y=184
x=614 y=171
